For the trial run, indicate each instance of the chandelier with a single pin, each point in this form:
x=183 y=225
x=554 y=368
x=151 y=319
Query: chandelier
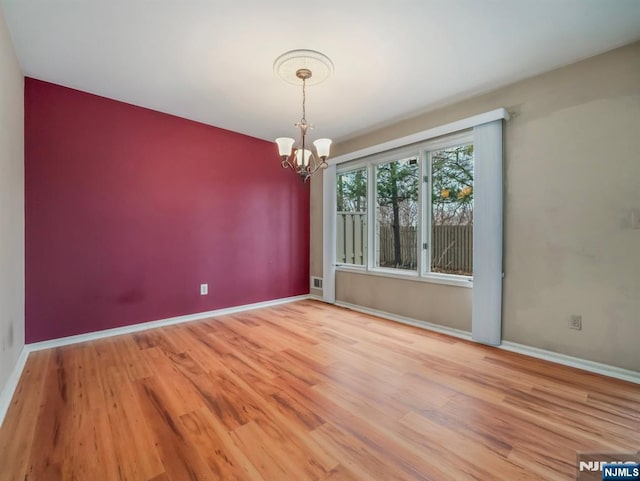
x=306 y=67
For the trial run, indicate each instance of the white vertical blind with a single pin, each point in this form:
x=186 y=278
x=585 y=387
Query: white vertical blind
x=329 y=234
x=486 y=326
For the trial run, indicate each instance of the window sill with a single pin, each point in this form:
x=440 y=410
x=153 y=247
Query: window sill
x=449 y=280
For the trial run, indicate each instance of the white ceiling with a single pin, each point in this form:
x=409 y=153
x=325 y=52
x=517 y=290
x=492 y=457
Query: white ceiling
x=211 y=60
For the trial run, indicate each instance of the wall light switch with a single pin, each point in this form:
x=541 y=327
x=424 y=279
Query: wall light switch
x=204 y=289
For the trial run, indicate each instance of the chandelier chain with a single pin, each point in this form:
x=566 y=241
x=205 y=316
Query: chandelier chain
x=304 y=99
x=304 y=120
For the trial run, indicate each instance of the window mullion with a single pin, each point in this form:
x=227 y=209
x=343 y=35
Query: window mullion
x=429 y=216
x=424 y=217
x=371 y=216
x=419 y=228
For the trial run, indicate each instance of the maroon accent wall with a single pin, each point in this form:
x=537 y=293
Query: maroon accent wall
x=129 y=210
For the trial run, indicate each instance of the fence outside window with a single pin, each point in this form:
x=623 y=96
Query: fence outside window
x=351 y=233
x=451 y=245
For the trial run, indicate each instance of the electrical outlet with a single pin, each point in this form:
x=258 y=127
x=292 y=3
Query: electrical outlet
x=575 y=322
x=204 y=289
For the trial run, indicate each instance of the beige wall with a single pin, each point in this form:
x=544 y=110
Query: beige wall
x=436 y=303
x=315 y=260
x=572 y=181
x=11 y=206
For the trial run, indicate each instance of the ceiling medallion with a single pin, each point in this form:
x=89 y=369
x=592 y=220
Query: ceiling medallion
x=287 y=65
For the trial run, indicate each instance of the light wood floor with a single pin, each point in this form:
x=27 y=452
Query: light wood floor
x=306 y=391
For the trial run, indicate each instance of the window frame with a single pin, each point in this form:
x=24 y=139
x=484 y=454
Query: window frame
x=397 y=157
x=422 y=152
x=353 y=168
x=455 y=140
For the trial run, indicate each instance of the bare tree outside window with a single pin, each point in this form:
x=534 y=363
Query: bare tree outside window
x=352 y=191
x=452 y=210
x=397 y=213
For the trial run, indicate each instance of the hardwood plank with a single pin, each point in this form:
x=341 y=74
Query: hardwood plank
x=213 y=441
x=341 y=473
x=49 y=453
x=178 y=457
x=473 y=460
x=306 y=391
x=279 y=454
x=366 y=457
x=18 y=429
x=138 y=458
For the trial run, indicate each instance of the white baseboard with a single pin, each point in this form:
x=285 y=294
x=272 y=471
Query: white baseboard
x=450 y=331
x=6 y=395
x=585 y=365
x=117 y=331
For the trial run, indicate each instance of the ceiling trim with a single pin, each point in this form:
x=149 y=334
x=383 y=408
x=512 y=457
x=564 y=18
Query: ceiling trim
x=445 y=129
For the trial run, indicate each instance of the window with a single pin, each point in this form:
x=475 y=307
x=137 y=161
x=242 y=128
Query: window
x=420 y=223
x=451 y=210
x=351 y=228
x=397 y=214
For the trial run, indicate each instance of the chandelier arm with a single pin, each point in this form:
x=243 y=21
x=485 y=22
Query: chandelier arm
x=287 y=164
x=316 y=166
